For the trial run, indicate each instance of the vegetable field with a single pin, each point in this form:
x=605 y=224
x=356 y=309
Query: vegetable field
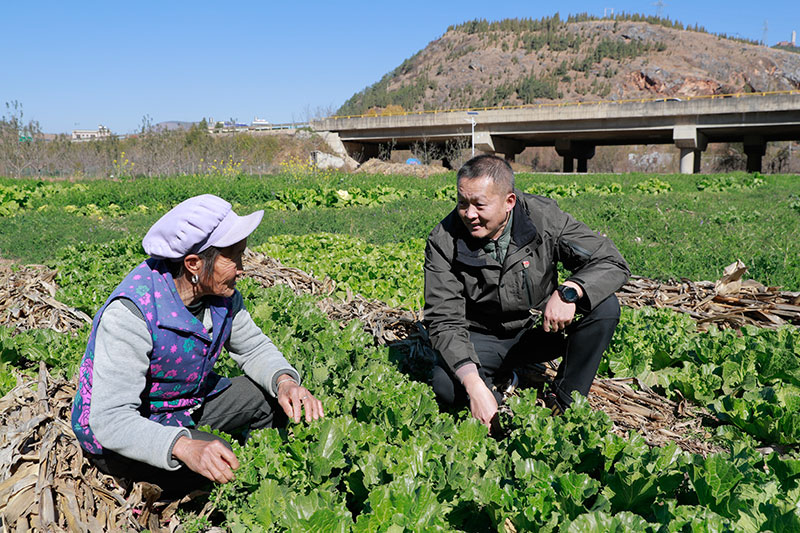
x=385 y=458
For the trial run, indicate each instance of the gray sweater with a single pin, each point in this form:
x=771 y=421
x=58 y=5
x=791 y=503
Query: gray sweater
x=121 y=360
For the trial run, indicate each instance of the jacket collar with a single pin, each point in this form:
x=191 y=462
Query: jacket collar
x=523 y=231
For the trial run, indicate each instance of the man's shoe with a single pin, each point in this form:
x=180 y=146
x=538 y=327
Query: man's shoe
x=508 y=387
x=512 y=385
x=533 y=375
x=552 y=402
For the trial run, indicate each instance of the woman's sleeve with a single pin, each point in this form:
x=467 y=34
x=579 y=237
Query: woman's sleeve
x=121 y=361
x=254 y=352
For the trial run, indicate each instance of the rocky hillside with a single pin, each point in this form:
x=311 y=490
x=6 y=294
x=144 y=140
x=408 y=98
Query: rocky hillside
x=510 y=62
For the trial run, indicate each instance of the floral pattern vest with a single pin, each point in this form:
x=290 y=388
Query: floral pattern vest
x=180 y=375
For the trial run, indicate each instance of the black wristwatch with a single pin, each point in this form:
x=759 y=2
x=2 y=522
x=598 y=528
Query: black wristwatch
x=568 y=294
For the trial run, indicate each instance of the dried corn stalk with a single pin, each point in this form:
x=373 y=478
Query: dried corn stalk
x=27 y=301
x=45 y=482
x=384 y=323
x=729 y=303
x=630 y=404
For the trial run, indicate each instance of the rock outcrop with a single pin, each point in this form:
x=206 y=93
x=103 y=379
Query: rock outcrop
x=586 y=61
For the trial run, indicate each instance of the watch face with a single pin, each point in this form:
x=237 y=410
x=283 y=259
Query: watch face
x=568 y=294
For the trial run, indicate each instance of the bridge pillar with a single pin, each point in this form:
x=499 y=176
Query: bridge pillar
x=361 y=151
x=755 y=148
x=486 y=142
x=690 y=161
x=571 y=150
x=691 y=143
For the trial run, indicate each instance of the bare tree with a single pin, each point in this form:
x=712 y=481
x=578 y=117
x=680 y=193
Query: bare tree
x=456 y=152
x=18 y=141
x=385 y=150
x=318 y=112
x=426 y=151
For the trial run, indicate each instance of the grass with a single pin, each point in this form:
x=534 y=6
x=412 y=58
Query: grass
x=695 y=235
x=684 y=232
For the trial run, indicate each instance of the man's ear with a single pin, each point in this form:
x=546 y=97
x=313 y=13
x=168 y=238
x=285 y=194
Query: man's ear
x=511 y=201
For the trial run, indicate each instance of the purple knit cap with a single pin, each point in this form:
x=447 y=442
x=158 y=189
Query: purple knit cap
x=196 y=224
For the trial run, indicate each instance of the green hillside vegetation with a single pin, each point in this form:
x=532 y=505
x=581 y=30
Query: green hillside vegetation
x=412 y=84
x=554 y=23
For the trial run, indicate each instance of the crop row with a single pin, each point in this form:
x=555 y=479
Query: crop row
x=386 y=458
x=33 y=195
x=749 y=379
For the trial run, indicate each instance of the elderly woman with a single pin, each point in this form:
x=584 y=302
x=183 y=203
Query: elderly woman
x=147 y=377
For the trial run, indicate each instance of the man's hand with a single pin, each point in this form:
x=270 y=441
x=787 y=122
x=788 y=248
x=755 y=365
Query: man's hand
x=294 y=398
x=482 y=403
x=558 y=314
x=211 y=459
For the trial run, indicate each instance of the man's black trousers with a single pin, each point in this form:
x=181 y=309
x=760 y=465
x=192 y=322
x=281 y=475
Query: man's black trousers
x=581 y=347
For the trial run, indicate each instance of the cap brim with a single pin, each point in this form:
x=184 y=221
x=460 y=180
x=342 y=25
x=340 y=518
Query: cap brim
x=240 y=228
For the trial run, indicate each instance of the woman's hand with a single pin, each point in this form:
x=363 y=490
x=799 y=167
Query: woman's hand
x=294 y=398
x=211 y=459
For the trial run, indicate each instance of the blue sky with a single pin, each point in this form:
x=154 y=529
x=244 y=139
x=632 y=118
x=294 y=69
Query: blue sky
x=79 y=64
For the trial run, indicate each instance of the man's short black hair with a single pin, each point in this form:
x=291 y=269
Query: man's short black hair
x=489 y=165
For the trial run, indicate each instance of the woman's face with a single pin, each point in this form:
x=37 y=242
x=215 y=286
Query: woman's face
x=227 y=269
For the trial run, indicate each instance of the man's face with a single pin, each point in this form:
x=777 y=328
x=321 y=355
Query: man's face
x=483 y=209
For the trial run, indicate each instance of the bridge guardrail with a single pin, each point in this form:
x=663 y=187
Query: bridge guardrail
x=568 y=104
x=284 y=126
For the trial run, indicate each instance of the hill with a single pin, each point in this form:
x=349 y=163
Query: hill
x=523 y=61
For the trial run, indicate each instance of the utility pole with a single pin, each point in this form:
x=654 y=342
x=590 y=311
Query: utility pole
x=472 y=121
x=659 y=7
x=766 y=32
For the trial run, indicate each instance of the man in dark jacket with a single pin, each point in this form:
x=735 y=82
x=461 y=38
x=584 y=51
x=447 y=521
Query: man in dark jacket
x=490 y=262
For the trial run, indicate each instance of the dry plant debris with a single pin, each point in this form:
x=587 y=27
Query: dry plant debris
x=45 y=482
x=633 y=406
x=729 y=302
x=269 y=272
x=28 y=301
x=386 y=168
x=385 y=324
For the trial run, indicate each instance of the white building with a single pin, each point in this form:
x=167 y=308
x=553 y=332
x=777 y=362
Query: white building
x=91 y=135
x=260 y=123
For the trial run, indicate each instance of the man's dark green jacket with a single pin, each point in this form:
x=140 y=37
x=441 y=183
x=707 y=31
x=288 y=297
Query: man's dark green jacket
x=465 y=289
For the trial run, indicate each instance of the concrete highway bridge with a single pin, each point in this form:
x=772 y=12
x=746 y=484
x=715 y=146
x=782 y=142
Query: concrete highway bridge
x=576 y=129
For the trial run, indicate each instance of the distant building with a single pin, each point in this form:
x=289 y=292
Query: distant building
x=793 y=42
x=91 y=135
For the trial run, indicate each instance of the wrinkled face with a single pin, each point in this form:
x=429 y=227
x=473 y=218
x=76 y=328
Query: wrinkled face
x=227 y=269
x=483 y=209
